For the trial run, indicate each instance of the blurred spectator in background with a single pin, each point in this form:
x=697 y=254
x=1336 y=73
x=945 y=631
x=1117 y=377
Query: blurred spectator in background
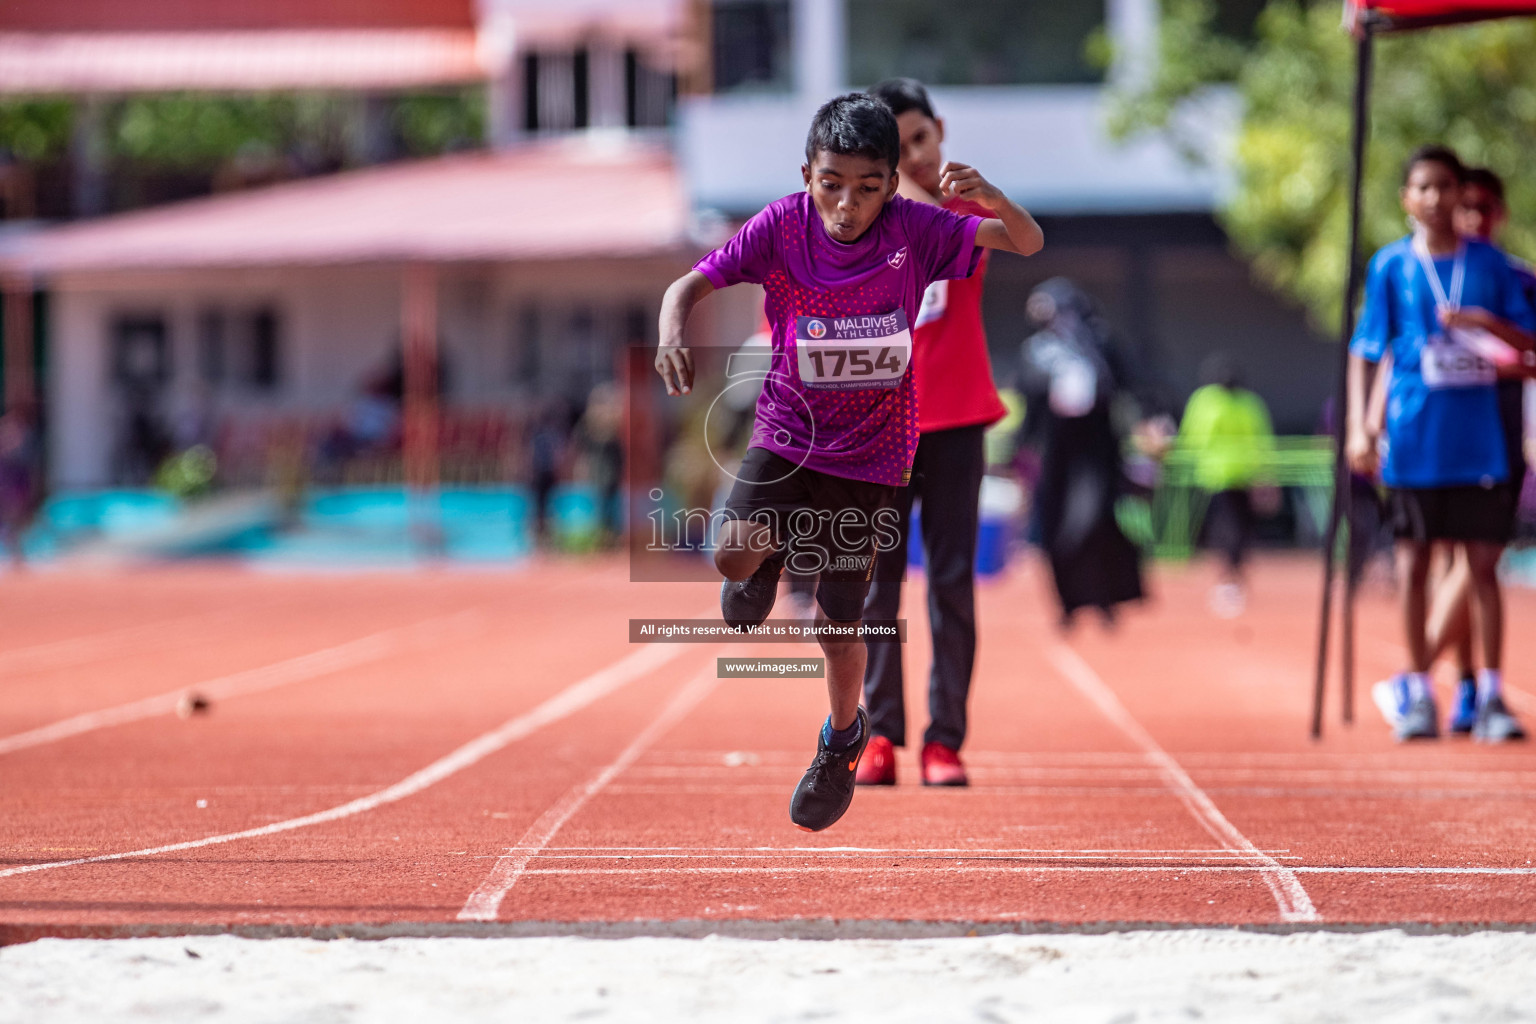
x=143 y=444
x=1227 y=433
x=373 y=418
x=600 y=445
x=371 y=424
x=1070 y=376
x=1481 y=214
x=548 y=446
x=21 y=477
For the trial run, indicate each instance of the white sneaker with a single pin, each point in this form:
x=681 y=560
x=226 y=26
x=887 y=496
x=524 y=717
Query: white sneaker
x=1391 y=697
x=1227 y=600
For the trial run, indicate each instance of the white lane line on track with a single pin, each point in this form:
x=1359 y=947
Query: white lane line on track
x=485 y=902
x=1029 y=869
x=563 y=704
x=1291 y=899
x=993 y=760
x=881 y=851
x=266 y=677
x=982 y=789
x=1132 y=858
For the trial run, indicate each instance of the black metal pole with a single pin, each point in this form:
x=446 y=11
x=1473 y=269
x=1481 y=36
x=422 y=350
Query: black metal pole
x=1347 y=636
x=1340 y=504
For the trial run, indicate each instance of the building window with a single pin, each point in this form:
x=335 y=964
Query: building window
x=242 y=348
x=566 y=91
x=210 y=348
x=266 y=355
x=649 y=94
x=751 y=45
x=141 y=356
x=555 y=89
x=979 y=42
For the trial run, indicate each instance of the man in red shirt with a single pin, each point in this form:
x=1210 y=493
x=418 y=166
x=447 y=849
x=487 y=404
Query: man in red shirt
x=956 y=401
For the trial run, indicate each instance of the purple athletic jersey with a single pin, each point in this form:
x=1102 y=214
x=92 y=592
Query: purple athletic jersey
x=839 y=394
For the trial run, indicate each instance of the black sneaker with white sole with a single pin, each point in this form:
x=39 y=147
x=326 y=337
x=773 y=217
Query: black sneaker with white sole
x=746 y=603
x=1495 y=724
x=826 y=788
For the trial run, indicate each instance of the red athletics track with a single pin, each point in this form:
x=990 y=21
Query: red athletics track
x=477 y=753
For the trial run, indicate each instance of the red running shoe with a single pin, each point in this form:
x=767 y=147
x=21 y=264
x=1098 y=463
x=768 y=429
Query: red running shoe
x=878 y=766
x=942 y=766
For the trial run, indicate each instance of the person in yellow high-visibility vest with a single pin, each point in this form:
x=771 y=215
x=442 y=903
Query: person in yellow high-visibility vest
x=1227 y=433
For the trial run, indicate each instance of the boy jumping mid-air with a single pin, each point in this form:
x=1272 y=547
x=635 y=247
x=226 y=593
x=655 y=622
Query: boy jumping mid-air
x=844 y=265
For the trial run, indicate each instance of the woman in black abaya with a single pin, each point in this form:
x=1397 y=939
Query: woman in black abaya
x=1069 y=377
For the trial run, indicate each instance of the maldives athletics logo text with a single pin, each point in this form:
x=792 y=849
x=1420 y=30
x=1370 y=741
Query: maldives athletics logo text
x=816 y=330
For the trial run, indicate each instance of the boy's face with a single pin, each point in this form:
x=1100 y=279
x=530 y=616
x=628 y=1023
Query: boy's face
x=1479 y=214
x=848 y=192
x=921 y=136
x=1431 y=194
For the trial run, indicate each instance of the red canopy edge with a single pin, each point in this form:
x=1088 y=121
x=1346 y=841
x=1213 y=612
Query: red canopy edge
x=1406 y=15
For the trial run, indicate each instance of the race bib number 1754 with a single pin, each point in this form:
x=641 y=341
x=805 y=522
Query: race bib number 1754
x=853 y=351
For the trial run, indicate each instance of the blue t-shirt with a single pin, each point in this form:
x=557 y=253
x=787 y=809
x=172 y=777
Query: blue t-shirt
x=1443 y=425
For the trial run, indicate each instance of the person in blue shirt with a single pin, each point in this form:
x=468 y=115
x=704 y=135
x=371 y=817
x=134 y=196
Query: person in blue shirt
x=1440 y=305
x=1481 y=213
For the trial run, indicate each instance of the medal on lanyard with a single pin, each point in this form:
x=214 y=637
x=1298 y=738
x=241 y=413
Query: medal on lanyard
x=1458 y=273
x=1454 y=359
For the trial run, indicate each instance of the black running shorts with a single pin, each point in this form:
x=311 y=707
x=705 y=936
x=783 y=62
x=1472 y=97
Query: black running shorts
x=831 y=525
x=1467 y=513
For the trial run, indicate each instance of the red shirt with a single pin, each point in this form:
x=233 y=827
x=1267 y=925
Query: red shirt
x=950 y=364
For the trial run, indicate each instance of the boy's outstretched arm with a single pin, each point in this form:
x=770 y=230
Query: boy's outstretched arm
x=1014 y=230
x=673 y=360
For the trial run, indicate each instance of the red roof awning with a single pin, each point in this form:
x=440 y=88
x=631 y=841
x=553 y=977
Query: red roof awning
x=40 y=63
x=117 y=16
x=1403 y=15
x=559 y=200
x=74 y=47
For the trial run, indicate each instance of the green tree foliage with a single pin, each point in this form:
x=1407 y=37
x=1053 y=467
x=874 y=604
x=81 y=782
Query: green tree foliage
x=32 y=130
x=429 y=123
x=1471 y=87
x=191 y=130
x=203 y=132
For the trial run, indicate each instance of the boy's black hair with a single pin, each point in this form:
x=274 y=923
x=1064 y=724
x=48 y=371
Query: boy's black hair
x=1487 y=180
x=854 y=124
x=902 y=95
x=1434 y=153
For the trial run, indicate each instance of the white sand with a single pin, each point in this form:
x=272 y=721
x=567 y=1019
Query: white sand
x=1140 y=976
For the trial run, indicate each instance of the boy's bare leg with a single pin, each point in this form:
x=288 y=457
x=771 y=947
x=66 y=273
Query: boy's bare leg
x=1450 y=614
x=845 y=670
x=1483 y=563
x=1413 y=563
x=743 y=547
